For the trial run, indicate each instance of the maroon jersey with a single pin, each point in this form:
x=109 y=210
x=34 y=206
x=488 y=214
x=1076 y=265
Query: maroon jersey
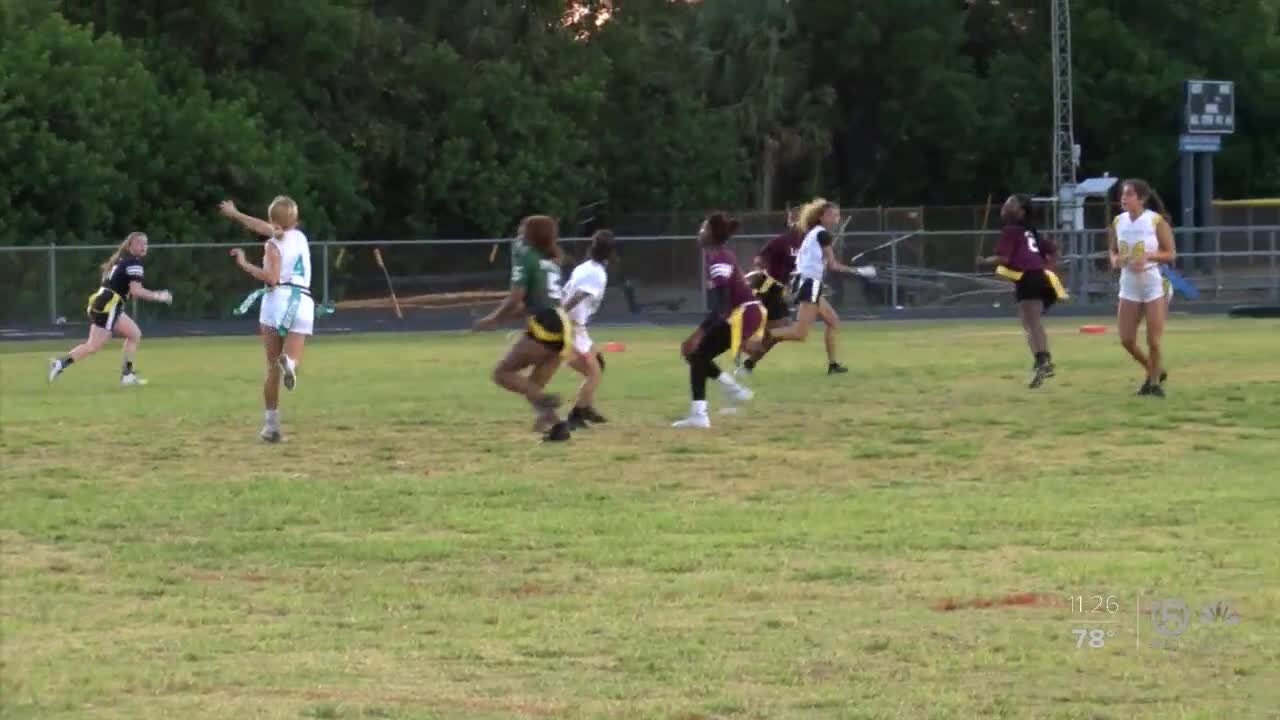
x=723 y=271
x=1024 y=248
x=779 y=255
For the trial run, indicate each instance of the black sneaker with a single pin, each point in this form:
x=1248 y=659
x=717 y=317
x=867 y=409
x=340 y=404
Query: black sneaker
x=1145 y=389
x=1164 y=375
x=836 y=369
x=1156 y=391
x=576 y=420
x=558 y=433
x=1038 y=375
x=592 y=415
x=1050 y=369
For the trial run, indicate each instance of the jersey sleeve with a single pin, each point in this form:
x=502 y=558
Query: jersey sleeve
x=825 y=239
x=719 y=271
x=133 y=271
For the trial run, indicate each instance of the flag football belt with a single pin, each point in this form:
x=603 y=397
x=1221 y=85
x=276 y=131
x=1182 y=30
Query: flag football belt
x=542 y=334
x=291 y=309
x=106 y=309
x=735 y=325
x=1054 y=282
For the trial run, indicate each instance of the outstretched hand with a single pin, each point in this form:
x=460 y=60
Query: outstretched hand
x=228 y=208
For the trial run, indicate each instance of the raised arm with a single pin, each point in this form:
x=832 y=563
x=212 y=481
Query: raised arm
x=269 y=273
x=250 y=223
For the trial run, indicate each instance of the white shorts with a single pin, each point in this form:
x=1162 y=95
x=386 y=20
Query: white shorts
x=1144 y=287
x=581 y=340
x=276 y=303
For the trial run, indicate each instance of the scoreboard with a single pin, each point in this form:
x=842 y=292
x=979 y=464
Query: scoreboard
x=1210 y=107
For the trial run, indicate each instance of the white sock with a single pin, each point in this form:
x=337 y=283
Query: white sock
x=727 y=380
x=289 y=363
x=699 y=407
x=272 y=417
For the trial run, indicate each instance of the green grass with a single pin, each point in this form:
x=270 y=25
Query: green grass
x=412 y=552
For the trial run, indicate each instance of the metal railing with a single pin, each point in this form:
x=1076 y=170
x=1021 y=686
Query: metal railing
x=916 y=269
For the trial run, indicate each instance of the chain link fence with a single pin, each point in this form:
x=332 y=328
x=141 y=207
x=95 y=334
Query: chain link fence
x=651 y=273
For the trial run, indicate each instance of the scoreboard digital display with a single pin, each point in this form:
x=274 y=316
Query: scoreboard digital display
x=1210 y=107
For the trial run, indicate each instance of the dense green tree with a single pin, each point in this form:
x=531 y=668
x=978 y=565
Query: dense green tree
x=394 y=119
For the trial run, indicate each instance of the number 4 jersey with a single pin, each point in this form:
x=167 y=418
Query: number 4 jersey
x=295 y=259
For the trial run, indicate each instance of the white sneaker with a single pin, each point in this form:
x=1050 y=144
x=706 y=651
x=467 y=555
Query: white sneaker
x=55 y=369
x=693 y=421
x=738 y=393
x=288 y=371
x=270 y=434
x=131 y=379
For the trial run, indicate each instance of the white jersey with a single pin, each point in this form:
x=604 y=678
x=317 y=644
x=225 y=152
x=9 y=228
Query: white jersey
x=591 y=278
x=295 y=258
x=1135 y=238
x=810 y=262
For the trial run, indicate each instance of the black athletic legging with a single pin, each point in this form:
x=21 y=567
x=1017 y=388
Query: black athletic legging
x=702 y=361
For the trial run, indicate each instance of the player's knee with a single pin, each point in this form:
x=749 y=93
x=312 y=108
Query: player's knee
x=1129 y=342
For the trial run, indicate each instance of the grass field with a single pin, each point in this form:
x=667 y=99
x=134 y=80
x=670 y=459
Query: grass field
x=413 y=552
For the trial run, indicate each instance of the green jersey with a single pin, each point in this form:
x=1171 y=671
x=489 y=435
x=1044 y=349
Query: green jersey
x=537 y=274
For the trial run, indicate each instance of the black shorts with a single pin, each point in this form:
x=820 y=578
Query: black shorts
x=547 y=327
x=775 y=303
x=1033 y=285
x=715 y=341
x=105 y=307
x=805 y=290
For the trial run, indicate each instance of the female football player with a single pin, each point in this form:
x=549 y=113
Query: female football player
x=535 y=288
x=287 y=315
x=1141 y=240
x=121 y=280
x=1028 y=259
x=735 y=320
x=582 y=297
x=814 y=256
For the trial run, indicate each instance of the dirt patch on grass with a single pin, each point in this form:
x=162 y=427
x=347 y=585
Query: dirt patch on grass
x=1022 y=599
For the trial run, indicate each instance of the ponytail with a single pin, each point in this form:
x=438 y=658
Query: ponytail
x=811 y=214
x=1155 y=203
x=124 y=247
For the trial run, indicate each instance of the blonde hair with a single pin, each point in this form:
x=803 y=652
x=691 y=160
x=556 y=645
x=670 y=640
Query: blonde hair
x=810 y=214
x=124 y=246
x=283 y=212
